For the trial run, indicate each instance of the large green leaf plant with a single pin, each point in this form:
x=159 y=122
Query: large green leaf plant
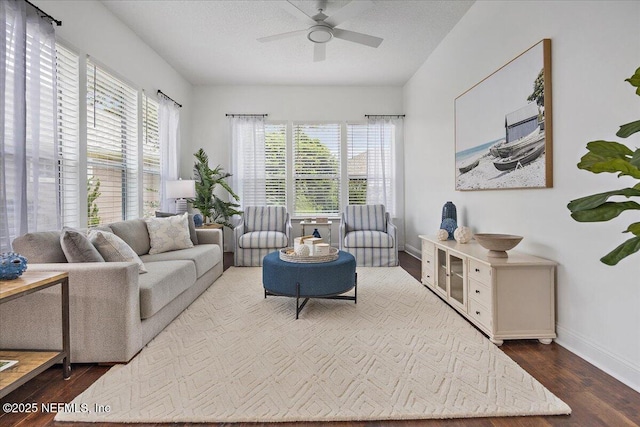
x=612 y=157
x=212 y=207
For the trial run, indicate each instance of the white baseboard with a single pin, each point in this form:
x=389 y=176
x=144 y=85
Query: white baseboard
x=622 y=370
x=415 y=252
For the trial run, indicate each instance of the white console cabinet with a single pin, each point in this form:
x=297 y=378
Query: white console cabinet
x=506 y=298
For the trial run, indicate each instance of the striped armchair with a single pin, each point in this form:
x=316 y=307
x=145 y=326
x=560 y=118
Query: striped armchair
x=366 y=231
x=263 y=229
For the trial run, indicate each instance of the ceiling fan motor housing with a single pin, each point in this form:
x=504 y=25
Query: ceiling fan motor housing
x=320 y=33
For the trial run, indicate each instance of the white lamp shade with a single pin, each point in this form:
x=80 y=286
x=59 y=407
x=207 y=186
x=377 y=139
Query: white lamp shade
x=181 y=189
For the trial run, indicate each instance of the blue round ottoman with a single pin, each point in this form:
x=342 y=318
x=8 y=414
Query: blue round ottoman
x=310 y=280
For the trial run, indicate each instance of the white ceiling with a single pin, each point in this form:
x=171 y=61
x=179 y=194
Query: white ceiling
x=214 y=42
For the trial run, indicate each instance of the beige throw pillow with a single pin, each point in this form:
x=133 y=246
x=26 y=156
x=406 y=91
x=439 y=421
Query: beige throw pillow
x=169 y=234
x=114 y=249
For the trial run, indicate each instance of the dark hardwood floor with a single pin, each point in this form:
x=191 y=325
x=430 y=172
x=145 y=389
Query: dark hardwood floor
x=597 y=399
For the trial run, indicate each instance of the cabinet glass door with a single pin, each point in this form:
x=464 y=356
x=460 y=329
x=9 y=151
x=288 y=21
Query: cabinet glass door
x=441 y=274
x=456 y=279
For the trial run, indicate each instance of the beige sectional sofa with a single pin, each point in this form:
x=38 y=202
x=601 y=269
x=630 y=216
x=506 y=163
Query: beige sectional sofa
x=114 y=310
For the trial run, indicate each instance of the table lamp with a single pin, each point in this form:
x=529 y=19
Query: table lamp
x=181 y=190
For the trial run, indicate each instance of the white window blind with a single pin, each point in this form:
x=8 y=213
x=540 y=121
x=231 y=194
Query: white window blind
x=316 y=169
x=68 y=101
x=357 y=163
x=112 y=146
x=276 y=164
x=151 y=157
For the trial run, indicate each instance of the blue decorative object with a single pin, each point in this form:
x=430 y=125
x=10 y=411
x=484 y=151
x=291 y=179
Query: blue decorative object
x=12 y=265
x=316 y=233
x=449 y=218
x=198 y=220
x=449 y=211
x=450 y=225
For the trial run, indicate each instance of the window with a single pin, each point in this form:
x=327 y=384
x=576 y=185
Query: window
x=357 y=163
x=276 y=164
x=306 y=170
x=68 y=101
x=112 y=147
x=316 y=169
x=371 y=163
x=151 y=157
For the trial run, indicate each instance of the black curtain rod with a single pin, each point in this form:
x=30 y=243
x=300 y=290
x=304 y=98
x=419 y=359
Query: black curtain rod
x=45 y=14
x=246 y=115
x=169 y=98
x=384 y=115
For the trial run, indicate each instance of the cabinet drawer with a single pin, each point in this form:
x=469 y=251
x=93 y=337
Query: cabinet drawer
x=480 y=313
x=480 y=272
x=427 y=277
x=480 y=292
x=427 y=261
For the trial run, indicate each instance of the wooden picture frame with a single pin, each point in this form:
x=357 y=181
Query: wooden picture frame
x=503 y=126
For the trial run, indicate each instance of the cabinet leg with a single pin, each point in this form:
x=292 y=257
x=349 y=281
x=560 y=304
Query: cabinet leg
x=545 y=340
x=496 y=341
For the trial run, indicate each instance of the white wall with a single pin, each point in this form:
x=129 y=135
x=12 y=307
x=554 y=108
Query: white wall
x=210 y=127
x=595 y=46
x=90 y=28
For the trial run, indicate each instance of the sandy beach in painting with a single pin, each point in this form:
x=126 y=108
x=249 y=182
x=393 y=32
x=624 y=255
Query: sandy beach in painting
x=486 y=176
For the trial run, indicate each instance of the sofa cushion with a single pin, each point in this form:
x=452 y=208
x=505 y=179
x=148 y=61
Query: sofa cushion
x=77 y=247
x=134 y=232
x=265 y=218
x=192 y=224
x=262 y=239
x=168 y=234
x=368 y=239
x=40 y=247
x=205 y=257
x=163 y=283
x=114 y=249
x=365 y=217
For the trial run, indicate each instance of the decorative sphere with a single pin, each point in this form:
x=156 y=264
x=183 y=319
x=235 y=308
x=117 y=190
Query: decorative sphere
x=442 y=234
x=450 y=225
x=462 y=234
x=302 y=250
x=12 y=265
x=198 y=220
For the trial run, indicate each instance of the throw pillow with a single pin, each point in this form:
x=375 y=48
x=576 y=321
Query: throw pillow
x=169 y=234
x=77 y=247
x=192 y=224
x=114 y=249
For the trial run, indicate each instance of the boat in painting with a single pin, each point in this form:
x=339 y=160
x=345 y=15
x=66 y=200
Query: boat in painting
x=510 y=148
x=468 y=167
x=493 y=150
x=521 y=157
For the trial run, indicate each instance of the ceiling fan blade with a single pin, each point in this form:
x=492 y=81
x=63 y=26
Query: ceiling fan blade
x=348 y=11
x=319 y=52
x=281 y=36
x=293 y=10
x=352 y=36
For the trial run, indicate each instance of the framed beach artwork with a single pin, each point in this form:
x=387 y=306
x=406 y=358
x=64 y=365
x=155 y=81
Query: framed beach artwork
x=503 y=131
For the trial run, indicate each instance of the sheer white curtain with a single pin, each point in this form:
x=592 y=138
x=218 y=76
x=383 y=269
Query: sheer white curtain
x=382 y=134
x=248 y=160
x=169 y=136
x=29 y=179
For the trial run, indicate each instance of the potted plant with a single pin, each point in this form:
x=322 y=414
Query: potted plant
x=212 y=207
x=612 y=157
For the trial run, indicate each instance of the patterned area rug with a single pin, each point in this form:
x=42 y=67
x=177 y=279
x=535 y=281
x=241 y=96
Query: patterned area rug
x=234 y=356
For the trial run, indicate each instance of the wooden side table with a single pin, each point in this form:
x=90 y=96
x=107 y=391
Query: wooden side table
x=33 y=362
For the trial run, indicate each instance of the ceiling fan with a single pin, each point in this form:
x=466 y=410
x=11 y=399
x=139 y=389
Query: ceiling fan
x=323 y=27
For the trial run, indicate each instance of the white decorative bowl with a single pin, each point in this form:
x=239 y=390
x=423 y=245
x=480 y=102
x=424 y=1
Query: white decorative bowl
x=498 y=244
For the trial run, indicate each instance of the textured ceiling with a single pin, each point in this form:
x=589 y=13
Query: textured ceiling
x=214 y=42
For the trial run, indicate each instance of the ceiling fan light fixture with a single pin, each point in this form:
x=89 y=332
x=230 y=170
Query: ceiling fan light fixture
x=320 y=34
